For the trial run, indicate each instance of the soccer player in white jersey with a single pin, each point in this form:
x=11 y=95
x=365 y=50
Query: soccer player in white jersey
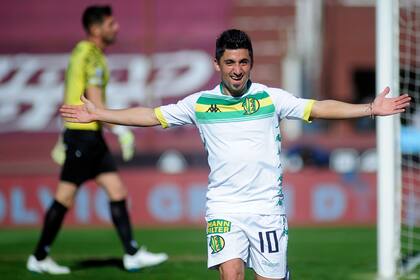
x=238 y=121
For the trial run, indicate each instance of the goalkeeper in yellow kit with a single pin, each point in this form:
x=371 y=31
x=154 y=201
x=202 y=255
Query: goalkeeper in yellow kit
x=86 y=153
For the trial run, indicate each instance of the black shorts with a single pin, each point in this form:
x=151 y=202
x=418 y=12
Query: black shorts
x=87 y=156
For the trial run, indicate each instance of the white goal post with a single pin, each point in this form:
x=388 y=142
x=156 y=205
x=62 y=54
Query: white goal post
x=398 y=188
x=388 y=186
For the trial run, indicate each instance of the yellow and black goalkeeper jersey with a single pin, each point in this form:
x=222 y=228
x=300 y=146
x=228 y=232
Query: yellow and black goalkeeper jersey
x=87 y=67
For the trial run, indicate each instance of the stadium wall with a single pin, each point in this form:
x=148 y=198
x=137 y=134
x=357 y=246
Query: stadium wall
x=313 y=196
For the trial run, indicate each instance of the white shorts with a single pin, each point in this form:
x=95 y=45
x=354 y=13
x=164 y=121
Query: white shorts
x=259 y=240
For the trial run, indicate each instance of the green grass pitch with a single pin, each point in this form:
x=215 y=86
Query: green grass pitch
x=314 y=253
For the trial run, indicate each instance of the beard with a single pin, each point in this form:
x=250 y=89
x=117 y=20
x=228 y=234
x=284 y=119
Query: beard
x=109 y=40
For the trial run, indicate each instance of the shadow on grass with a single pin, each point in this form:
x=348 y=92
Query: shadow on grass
x=97 y=263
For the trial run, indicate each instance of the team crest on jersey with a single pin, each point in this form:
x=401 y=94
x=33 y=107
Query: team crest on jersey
x=217 y=243
x=218 y=226
x=250 y=105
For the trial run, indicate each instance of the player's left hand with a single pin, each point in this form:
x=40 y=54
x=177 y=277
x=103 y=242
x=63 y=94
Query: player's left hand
x=127 y=141
x=84 y=113
x=383 y=106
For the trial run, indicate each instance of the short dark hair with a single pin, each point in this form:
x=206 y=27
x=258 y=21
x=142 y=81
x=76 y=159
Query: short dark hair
x=95 y=15
x=233 y=39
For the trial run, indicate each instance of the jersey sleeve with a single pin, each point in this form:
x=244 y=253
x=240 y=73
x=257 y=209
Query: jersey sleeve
x=178 y=114
x=289 y=106
x=95 y=72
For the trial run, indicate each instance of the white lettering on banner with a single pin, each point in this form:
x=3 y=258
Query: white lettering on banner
x=328 y=203
x=31 y=86
x=168 y=82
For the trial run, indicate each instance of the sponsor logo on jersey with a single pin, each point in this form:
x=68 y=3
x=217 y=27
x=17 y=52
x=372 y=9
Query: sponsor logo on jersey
x=217 y=243
x=218 y=226
x=213 y=108
x=250 y=105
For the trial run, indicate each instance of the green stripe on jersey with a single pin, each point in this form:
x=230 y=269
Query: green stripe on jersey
x=209 y=99
x=217 y=109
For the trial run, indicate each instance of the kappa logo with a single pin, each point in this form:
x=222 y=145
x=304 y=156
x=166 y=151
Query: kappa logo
x=250 y=105
x=217 y=243
x=213 y=108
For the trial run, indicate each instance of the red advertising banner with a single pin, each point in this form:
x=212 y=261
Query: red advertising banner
x=313 y=196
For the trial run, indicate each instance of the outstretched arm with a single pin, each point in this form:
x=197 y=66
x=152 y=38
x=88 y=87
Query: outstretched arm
x=88 y=112
x=381 y=106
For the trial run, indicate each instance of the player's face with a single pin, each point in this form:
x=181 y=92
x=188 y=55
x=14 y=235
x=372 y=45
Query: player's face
x=235 y=69
x=109 y=29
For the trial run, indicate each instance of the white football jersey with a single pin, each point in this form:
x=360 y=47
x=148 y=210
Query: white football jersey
x=242 y=138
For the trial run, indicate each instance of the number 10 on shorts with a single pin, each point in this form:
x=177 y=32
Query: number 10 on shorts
x=269 y=238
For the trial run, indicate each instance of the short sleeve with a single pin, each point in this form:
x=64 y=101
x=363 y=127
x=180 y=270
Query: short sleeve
x=289 y=106
x=178 y=114
x=95 y=73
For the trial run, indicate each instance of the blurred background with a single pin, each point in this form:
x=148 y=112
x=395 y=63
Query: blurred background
x=314 y=49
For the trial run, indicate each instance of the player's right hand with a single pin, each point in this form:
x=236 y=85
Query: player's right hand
x=58 y=153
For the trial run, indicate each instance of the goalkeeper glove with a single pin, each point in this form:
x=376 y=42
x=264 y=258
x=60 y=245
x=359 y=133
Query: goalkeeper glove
x=126 y=140
x=58 y=153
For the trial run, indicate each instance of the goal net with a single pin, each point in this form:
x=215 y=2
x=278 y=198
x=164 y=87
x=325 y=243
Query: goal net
x=409 y=82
